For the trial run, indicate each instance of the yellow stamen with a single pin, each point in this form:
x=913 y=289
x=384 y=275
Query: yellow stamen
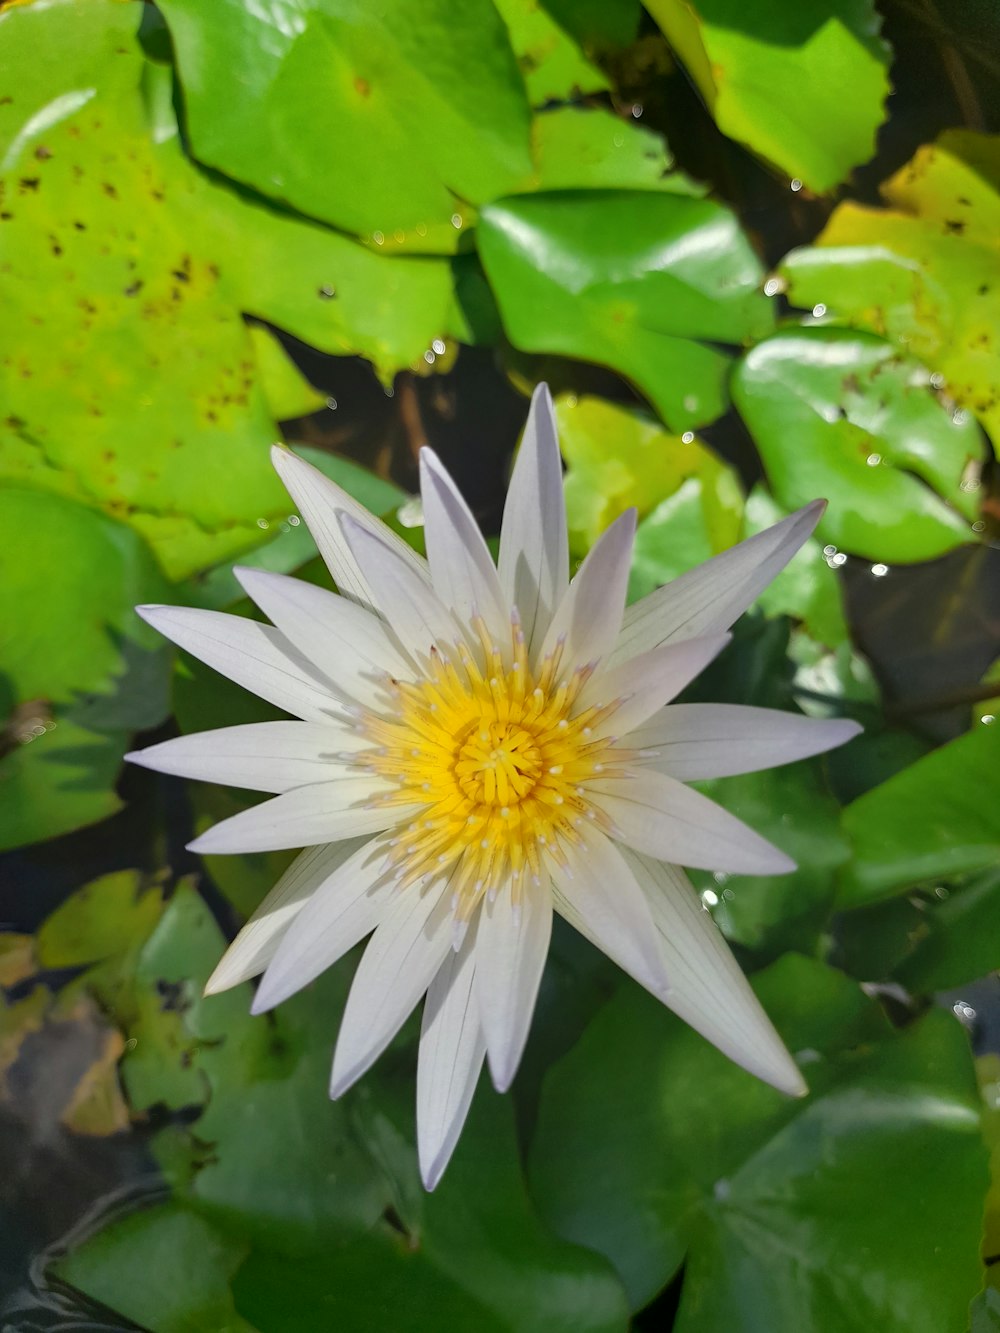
x=497 y=758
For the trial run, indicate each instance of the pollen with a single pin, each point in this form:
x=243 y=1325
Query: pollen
x=500 y=757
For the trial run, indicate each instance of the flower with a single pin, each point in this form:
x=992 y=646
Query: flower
x=477 y=745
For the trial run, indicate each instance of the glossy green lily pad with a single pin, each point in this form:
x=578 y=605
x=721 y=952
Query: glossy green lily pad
x=936 y=819
x=640 y=281
x=619 y=459
x=803 y=85
x=924 y=273
x=299 y=101
x=845 y=417
x=773 y=1205
x=155 y=408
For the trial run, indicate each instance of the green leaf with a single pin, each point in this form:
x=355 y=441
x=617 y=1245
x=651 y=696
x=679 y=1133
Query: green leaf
x=637 y=281
x=57 y=780
x=925 y=274
x=284 y=1170
x=80 y=669
x=478 y=1226
x=598 y=25
x=804 y=86
x=619 y=459
x=378 y=1281
x=163 y=1267
x=151 y=408
x=107 y=917
x=960 y=937
x=843 y=416
x=70 y=633
x=653 y=1149
x=552 y=65
x=588 y=148
x=154 y=409
x=934 y=820
x=288 y=393
x=416 y=109
x=792 y=807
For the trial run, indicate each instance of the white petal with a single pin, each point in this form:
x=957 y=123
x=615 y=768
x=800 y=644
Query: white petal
x=462 y=569
x=417 y=615
x=600 y=898
x=304 y=816
x=256 y=944
x=452 y=1047
x=716 y=740
x=255 y=656
x=410 y=944
x=707 y=988
x=350 y=645
x=658 y=815
x=342 y=909
x=710 y=598
x=534 y=553
x=589 y=617
x=646 y=682
x=261 y=756
x=513 y=945
x=321 y=503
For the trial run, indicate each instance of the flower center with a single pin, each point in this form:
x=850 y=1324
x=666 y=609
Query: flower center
x=498 y=756
x=499 y=763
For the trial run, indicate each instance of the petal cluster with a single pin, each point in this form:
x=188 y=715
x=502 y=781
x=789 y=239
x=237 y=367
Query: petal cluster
x=476 y=745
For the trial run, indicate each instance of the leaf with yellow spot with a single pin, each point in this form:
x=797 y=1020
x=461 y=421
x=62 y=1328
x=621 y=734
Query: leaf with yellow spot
x=924 y=274
x=128 y=375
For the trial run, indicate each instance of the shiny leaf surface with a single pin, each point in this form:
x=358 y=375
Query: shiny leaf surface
x=845 y=417
x=637 y=281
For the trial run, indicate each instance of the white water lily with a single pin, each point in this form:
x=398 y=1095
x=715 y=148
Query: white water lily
x=477 y=745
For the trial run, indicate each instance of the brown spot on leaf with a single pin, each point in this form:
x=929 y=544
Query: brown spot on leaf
x=362 y=87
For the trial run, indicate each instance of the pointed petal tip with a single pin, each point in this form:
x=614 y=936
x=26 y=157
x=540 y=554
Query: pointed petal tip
x=783 y=864
x=261 y=1003
x=430 y=1175
x=216 y=984
x=340 y=1083
x=501 y=1074
x=797 y=1087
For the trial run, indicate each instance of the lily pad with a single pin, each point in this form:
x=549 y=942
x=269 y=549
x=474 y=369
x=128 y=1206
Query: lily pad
x=155 y=409
x=640 y=281
x=844 y=416
x=81 y=669
x=186 y=1267
x=619 y=459
x=579 y=148
x=552 y=65
x=479 y=1227
x=804 y=86
x=936 y=819
x=374 y=119
x=793 y=808
x=729 y=1186
x=924 y=273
